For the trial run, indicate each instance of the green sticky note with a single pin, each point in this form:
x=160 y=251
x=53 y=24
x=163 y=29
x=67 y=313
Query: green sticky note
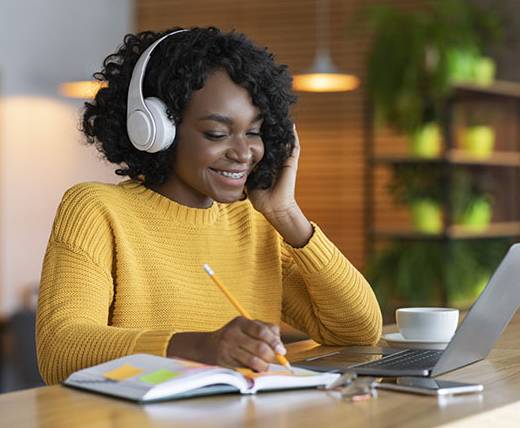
x=158 y=376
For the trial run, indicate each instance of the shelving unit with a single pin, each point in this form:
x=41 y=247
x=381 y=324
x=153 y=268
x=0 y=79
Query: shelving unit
x=501 y=169
x=454 y=231
x=455 y=157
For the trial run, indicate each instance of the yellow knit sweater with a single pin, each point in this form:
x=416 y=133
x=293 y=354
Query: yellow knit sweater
x=123 y=273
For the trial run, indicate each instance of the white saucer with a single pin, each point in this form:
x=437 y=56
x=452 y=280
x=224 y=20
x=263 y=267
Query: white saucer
x=398 y=341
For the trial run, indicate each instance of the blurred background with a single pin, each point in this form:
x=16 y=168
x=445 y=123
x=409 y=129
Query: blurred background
x=408 y=115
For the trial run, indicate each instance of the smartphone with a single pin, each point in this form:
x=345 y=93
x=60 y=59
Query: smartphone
x=428 y=386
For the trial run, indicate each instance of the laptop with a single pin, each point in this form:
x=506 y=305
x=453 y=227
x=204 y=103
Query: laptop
x=472 y=341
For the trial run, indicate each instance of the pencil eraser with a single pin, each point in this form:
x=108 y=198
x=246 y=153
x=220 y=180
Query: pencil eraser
x=208 y=270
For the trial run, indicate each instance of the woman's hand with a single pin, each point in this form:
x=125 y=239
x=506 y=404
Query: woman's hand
x=280 y=198
x=240 y=343
x=278 y=203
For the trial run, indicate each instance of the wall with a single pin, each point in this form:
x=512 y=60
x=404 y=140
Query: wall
x=44 y=43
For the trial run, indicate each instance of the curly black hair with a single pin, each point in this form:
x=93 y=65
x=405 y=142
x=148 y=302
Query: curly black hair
x=178 y=66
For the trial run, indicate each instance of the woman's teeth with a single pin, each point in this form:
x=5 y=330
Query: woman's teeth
x=235 y=175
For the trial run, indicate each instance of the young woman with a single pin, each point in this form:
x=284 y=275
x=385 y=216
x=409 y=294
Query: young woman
x=123 y=272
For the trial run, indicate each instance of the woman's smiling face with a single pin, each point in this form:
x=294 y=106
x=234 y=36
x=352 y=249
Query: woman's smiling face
x=218 y=144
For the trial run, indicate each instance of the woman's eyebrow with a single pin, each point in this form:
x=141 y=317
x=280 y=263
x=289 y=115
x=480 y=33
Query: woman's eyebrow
x=218 y=118
x=226 y=119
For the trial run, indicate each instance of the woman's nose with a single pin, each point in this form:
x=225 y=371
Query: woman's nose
x=241 y=150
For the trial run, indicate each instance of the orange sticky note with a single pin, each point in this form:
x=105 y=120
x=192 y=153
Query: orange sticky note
x=123 y=372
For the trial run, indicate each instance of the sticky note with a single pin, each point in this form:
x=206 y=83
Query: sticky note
x=159 y=376
x=122 y=372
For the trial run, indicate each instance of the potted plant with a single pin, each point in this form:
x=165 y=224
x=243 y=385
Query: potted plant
x=478 y=137
x=416 y=57
x=472 y=206
x=468 y=66
x=479 y=140
x=426 y=141
x=426 y=272
x=421 y=187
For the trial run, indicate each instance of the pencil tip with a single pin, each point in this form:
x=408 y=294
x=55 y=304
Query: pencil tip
x=289 y=367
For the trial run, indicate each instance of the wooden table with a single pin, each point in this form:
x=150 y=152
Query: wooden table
x=497 y=406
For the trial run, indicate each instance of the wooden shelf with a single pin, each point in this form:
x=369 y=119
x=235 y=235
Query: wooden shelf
x=499 y=88
x=494 y=230
x=456 y=231
x=456 y=157
x=498 y=158
x=391 y=158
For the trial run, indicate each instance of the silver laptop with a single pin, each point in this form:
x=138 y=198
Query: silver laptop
x=472 y=341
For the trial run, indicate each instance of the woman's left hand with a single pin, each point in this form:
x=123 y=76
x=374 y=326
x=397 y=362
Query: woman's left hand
x=279 y=200
x=278 y=204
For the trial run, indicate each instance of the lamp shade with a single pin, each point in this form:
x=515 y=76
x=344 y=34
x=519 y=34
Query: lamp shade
x=86 y=89
x=323 y=76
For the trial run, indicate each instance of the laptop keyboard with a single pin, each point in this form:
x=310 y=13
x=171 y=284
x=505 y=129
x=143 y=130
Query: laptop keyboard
x=409 y=359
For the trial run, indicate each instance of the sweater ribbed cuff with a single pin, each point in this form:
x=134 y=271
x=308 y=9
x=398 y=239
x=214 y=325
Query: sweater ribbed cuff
x=153 y=342
x=316 y=254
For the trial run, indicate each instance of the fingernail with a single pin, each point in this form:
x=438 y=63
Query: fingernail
x=280 y=349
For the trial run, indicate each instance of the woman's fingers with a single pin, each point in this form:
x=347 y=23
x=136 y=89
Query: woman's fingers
x=244 y=358
x=240 y=350
x=260 y=348
x=265 y=332
x=296 y=150
x=251 y=343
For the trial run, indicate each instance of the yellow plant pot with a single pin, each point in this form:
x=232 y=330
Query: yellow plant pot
x=479 y=141
x=478 y=215
x=427 y=141
x=426 y=216
x=484 y=71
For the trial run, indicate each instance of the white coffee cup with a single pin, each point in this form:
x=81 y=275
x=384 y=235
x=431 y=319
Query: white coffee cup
x=431 y=324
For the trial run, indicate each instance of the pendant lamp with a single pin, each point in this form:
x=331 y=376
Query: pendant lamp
x=323 y=75
x=86 y=89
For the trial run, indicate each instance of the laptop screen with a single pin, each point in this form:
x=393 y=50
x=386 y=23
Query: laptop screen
x=487 y=318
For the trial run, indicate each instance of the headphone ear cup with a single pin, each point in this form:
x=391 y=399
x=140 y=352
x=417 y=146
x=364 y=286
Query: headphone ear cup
x=164 y=127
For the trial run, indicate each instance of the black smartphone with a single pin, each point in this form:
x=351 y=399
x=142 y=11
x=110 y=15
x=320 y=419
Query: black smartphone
x=428 y=386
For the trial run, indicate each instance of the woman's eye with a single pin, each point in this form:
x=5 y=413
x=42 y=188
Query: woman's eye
x=254 y=134
x=214 y=136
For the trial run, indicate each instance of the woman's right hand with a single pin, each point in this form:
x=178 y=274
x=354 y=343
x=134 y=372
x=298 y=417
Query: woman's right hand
x=239 y=343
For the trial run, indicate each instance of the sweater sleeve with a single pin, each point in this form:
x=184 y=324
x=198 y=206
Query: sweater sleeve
x=326 y=297
x=76 y=292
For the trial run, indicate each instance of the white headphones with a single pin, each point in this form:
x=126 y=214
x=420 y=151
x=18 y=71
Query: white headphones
x=149 y=128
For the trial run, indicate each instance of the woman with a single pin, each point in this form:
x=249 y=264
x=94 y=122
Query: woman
x=123 y=269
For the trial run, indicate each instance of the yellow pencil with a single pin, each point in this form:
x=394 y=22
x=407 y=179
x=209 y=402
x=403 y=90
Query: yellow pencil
x=279 y=357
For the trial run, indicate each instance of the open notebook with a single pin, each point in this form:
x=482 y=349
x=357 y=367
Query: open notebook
x=145 y=378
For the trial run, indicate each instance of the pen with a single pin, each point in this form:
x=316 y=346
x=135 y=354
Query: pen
x=279 y=357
